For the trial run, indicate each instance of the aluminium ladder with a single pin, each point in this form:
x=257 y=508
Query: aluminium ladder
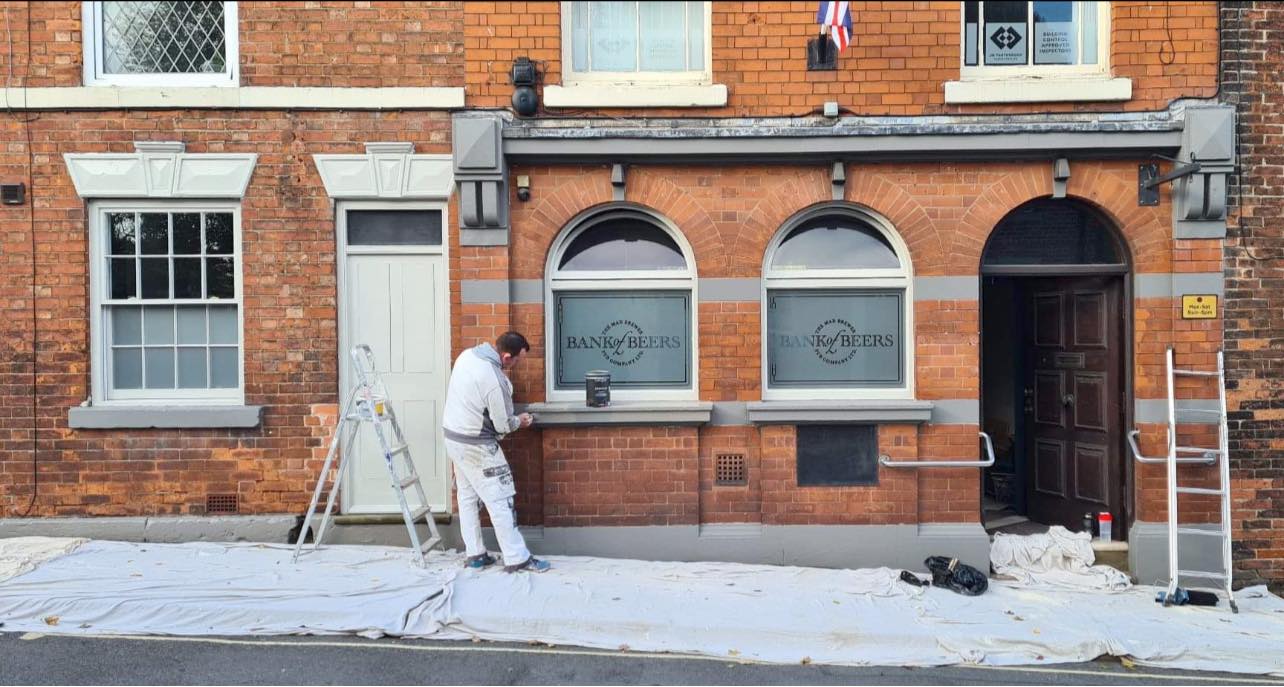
x=1178 y=455
x=368 y=403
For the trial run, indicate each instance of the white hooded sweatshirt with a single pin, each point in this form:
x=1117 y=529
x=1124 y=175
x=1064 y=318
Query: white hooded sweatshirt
x=479 y=400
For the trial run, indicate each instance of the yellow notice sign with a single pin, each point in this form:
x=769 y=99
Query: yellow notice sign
x=1199 y=307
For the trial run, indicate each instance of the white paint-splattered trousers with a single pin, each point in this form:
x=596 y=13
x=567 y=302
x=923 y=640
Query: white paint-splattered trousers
x=482 y=476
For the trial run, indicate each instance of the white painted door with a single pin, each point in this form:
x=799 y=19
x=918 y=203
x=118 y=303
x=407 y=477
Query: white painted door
x=393 y=298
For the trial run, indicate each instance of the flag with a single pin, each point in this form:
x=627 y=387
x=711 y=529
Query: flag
x=837 y=16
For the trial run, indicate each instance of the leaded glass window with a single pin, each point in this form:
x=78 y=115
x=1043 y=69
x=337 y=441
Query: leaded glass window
x=179 y=43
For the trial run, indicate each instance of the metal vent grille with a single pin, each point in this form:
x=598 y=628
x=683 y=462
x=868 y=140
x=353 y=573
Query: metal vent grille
x=729 y=469
x=221 y=503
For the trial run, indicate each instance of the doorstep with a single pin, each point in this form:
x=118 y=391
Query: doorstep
x=1111 y=553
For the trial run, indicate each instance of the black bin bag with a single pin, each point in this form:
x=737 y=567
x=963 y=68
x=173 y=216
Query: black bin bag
x=960 y=577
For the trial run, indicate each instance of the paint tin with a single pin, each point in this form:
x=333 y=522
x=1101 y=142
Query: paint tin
x=597 y=388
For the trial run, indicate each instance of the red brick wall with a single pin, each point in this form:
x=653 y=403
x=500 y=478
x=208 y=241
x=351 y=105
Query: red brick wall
x=337 y=44
x=1252 y=61
x=900 y=57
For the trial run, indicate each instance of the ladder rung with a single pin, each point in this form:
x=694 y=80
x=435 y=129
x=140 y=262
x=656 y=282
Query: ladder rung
x=1205 y=533
x=407 y=481
x=1199 y=490
x=426 y=546
x=1197 y=373
x=399 y=449
x=419 y=512
x=1203 y=573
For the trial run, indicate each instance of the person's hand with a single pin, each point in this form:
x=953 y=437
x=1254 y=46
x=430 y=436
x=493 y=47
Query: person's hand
x=526 y=419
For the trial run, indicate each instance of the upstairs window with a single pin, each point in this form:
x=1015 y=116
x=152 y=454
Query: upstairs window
x=160 y=43
x=1012 y=39
x=626 y=42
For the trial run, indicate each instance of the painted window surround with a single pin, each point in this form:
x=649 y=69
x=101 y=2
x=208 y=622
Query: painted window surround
x=91 y=16
x=238 y=98
x=1036 y=84
x=640 y=89
x=158 y=174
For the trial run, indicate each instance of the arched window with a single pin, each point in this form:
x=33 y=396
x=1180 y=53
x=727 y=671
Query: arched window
x=837 y=312
x=620 y=295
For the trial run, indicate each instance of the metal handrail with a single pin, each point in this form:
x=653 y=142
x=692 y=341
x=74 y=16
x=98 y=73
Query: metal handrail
x=1207 y=459
x=989 y=450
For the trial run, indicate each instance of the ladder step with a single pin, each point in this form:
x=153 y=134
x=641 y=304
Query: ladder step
x=399 y=449
x=427 y=546
x=1200 y=490
x=407 y=481
x=1204 y=533
x=419 y=512
x=1197 y=373
x=1203 y=573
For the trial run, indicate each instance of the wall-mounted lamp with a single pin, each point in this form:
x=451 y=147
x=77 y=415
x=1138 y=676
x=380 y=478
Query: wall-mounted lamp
x=523 y=188
x=523 y=75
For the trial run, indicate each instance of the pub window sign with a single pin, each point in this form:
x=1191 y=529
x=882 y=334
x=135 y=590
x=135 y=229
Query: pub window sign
x=839 y=339
x=642 y=338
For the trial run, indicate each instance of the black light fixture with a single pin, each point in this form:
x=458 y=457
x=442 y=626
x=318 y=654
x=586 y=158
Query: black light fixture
x=523 y=75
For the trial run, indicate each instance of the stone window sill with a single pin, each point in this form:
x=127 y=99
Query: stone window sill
x=164 y=417
x=636 y=95
x=1037 y=90
x=621 y=413
x=838 y=412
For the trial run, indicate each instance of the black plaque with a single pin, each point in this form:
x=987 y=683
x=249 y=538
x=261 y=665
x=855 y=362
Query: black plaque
x=837 y=455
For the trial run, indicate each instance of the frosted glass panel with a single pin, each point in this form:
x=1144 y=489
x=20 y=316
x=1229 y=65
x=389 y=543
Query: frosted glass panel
x=663 y=40
x=1088 y=18
x=579 y=36
x=158 y=325
x=222 y=324
x=613 y=37
x=223 y=372
x=695 y=36
x=638 y=36
x=191 y=368
x=127 y=368
x=159 y=363
x=191 y=325
x=126 y=326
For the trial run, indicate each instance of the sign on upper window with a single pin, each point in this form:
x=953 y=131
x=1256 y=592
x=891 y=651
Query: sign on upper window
x=160 y=43
x=638 y=41
x=1038 y=36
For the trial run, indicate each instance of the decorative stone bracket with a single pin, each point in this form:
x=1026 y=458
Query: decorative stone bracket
x=482 y=177
x=160 y=169
x=388 y=171
x=1199 y=198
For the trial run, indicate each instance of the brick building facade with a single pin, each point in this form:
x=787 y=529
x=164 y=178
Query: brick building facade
x=728 y=445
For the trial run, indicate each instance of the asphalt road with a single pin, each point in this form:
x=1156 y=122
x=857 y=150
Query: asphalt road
x=34 y=659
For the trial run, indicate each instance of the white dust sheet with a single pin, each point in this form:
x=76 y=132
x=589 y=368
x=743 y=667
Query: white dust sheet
x=751 y=612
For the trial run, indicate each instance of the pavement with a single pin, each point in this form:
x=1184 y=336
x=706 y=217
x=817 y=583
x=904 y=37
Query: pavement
x=39 y=659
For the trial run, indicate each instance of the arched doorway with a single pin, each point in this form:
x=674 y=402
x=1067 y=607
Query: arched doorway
x=1054 y=360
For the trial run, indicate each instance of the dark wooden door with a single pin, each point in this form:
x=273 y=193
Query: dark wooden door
x=1073 y=383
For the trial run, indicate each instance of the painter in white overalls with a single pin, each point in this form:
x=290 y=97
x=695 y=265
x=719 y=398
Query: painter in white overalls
x=479 y=412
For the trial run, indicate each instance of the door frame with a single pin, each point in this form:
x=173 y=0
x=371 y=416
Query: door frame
x=342 y=251
x=1124 y=273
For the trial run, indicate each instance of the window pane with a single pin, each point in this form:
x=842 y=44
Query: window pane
x=970 y=12
x=580 y=36
x=613 y=37
x=834 y=242
x=1088 y=18
x=218 y=233
x=1055 y=39
x=641 y=338
x=394 y=228
x=191 y=368
x=155 y=233
x=187 y=277
x=126 y=326
x=223 y=372
x=836 y=338
x=163 y=38
x=664 y=41
x=121 y=232
x=623 y=244
x=159 y=367
x=158 y=324
x=220 y=282
x=191 y=324
x=127 y=368
x=1006 y=33
x=223 y=324
x=187 y=233
x=123 y=278
x=155 y=277
x=695 y=36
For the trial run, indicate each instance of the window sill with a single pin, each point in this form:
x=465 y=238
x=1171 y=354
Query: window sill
x=636 y=95
x=836 y=412
x=234 y=97
x=1037 y=90
x=163 y=417
x=621 y=413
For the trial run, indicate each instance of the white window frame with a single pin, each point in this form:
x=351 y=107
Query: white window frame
x=642 y=280
x=92 y=38
x=570 y=77
x=840 y=279
x=981 y=72
x=100 y=360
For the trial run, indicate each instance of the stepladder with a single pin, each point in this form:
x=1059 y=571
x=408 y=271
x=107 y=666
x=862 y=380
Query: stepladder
x=368 y=406
x=1189 y=543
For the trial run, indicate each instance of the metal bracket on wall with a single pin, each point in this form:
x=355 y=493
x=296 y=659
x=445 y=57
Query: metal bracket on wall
x=1147 y=188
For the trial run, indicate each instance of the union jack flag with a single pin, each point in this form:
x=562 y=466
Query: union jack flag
x=838 y=17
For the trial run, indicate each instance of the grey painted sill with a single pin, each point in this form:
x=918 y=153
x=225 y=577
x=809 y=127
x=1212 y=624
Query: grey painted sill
x=163 y=417
x=822 y=412
x=621 y=413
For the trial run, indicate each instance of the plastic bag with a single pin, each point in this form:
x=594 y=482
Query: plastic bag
x=956 y=576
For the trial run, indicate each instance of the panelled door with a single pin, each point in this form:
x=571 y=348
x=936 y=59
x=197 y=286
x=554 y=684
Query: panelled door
x=1073 y=385
x=393 y=297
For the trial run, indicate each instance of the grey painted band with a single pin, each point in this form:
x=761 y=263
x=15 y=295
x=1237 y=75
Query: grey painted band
x=727 y=413
x=837 y=412
x=152 y=417
x=1192 y=229
x=258 y=528
x=730 y=290
x=956 y=411
x=967 y=288
x=1155 y=411
x=483 y=291
x=1173 y=285
x=1148 y=551
x=483 y=237
x=527 y=291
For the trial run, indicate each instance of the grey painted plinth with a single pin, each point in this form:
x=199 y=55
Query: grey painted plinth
x=255 y=528
x=1148 y=554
